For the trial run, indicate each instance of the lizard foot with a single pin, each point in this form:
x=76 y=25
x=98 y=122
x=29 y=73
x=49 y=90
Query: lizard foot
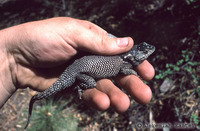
x=85 y=82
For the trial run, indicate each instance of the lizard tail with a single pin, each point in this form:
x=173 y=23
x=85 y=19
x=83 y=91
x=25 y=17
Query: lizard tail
x=30 y=111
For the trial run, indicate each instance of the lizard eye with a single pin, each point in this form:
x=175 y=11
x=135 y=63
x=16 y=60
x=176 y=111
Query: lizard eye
x=145 y=51
x=127 y=56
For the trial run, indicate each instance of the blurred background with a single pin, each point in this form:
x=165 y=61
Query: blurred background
x=173 y=26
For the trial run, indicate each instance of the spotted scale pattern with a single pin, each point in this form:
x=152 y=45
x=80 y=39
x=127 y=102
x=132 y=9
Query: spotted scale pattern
x=88 y=69
x=102 y=66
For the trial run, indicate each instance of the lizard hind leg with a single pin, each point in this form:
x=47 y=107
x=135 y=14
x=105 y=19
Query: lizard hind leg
x=85 y=82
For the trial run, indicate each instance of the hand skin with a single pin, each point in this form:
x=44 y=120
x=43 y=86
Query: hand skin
x=34 y=54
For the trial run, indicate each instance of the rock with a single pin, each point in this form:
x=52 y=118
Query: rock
x=166 y=85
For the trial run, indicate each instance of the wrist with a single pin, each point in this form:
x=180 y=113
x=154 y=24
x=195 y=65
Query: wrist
x=7 y=86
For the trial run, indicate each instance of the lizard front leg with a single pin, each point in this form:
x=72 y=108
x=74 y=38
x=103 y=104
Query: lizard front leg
x=128 y=72
x=127 y=69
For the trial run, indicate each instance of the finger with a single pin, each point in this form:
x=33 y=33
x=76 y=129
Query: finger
x=96 y=99
x=145 y=70
x=118 y=99
x=93 y=39
x=103 y=45
x=136 y=88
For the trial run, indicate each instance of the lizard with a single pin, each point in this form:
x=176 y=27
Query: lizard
x=87 y=69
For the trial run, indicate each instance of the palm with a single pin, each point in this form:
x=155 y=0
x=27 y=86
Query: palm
x=42 y=58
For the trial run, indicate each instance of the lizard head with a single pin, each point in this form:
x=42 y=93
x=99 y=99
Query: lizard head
x=138 y=53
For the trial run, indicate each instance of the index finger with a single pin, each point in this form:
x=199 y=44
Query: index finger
x=135 y=86
x=145 y=70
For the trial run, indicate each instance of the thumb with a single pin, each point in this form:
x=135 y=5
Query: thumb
x=111 y=45
x=102 y=44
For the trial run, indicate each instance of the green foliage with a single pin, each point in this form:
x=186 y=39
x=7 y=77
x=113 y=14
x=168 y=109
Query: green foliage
x=51 y=117
x=185 y=65
x=198 y=92
x=190 y=1
x=194 y=118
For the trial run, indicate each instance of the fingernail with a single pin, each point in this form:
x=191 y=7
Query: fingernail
x=122 y=42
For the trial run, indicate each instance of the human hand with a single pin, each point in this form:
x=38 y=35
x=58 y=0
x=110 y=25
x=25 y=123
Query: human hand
x=37 y=52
